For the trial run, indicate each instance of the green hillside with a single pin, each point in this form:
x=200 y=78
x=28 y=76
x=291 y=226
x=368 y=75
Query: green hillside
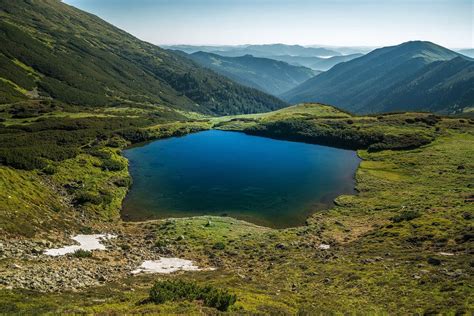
x=271 y=76
x=402 y=245
x=444 y=86
x=52 y=50
x=367 y=84
x=76 y=92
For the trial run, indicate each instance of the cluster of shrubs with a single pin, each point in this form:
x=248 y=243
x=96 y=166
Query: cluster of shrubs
x=406 y=215
x=30 y=146
x=404 y=141
x=112 y=165
x=81 y=253
x=428 y=120
x=32 y=108
x=320 y=133
x=337 y=134
x=178 y=290
x=219 y=246
x=124 y=182
x=82 y=197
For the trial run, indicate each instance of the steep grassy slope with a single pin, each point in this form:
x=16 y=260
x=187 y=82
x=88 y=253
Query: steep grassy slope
x=445 y=86
x=268 y=75
x=50 y=49
x=366 y=84
x=402 y=245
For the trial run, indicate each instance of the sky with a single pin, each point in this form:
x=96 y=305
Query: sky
x=449 y=23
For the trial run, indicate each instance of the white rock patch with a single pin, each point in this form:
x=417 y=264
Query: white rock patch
x=167 y=265
x=86 y=242
x=324 y=246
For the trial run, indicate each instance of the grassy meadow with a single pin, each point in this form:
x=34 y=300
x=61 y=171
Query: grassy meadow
x=402 y=245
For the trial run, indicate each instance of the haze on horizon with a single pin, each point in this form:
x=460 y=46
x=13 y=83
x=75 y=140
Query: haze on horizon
x=448 y=23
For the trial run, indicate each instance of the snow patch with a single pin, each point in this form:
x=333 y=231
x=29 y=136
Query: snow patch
x=446 y=253
x=167 y=265
x=86 y=242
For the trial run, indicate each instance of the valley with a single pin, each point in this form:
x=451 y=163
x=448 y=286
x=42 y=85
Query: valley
x=248 y=179
x=409 y=225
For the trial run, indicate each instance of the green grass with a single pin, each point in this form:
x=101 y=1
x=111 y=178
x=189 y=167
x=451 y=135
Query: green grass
x=84 y=175
x=411 y=206
x=29 y=204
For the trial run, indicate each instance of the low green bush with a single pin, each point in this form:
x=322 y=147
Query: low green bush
x=125 y=182
x=176 y=290
x=98 y=153
x=405 y=216
x=49 y=170
x=219 y=246
x=84 y=197
x=161 y=243
x=112 y=165
x=81 y=253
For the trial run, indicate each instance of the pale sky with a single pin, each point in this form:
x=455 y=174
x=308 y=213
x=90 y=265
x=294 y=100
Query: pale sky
x=449 y=23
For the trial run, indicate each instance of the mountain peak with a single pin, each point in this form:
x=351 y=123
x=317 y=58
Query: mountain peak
x=363 y=84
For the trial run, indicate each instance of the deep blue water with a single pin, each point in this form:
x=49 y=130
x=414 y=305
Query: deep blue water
x=262 y=180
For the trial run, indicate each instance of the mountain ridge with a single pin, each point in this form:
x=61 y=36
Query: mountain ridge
x=355 y=85
x=268 y=75
x=100 y=64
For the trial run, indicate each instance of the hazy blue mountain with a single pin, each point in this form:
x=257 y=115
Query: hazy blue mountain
x=469 y=52
x=316 y=63
x=266 y=50
x=385 y=79
x=52 y=50
x=189 y=49
x=309 y=57
x=271 y=76
x=350 y=50
x=292 y=50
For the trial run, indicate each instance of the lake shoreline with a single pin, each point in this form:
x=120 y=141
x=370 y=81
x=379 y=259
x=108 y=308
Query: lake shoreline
x=323 y=202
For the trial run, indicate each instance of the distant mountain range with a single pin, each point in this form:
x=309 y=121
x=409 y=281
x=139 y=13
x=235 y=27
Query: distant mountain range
x=469 y=52
x=52 y=50
x=411 y=76
x=265 y=50
x=268 y=75
x=316 y=58
x=316 y=63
